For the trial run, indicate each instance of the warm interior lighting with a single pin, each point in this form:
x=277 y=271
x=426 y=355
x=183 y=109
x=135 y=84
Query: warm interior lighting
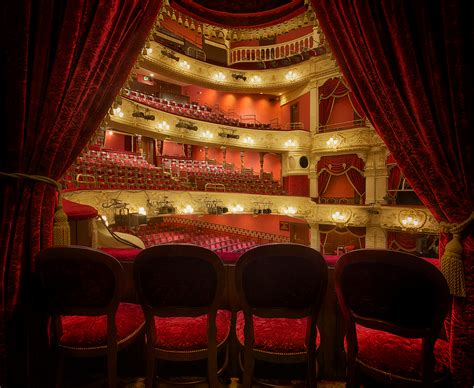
x=142 y=211
x=249 y=140
x=411 y=219
x=290 y=210
x=290 y=143
x=255 y=79
x=341 y=217
x=237 y=209
x=184 y=65
x=163 y=125
x=104 y=218
x=110 y=133
x=219 y=76
x=332 y=142
x=291 y=75
x=207 y=134
x=188 y=209
x=152 y=75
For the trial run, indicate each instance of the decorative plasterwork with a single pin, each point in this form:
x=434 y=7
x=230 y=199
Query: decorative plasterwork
x=386 y=217
x=205 y=74
x=358 y=140
x=263 y=140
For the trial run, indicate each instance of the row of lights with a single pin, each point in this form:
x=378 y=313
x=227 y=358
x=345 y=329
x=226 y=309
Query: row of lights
x=208 y=135
x=221 y=77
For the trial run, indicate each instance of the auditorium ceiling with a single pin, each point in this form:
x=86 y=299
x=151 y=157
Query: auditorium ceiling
x=253 y=13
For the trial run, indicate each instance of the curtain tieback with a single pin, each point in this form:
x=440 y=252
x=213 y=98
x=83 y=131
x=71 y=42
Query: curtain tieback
x=451 y=261
x=61 y=231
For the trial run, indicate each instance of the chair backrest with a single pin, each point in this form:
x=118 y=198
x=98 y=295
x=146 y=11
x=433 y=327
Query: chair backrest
x=281 y=280
x=391 y=291
x=179 y=280
x=79 y=280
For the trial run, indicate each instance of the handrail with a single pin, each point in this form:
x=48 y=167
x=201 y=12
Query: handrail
x=344 y=125
x=295 y=125
x=215 y=186
x=271 y=52
x=85 y=175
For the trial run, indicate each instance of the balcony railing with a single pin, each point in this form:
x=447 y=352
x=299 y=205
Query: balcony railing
x=344 y=125
x=271 y=52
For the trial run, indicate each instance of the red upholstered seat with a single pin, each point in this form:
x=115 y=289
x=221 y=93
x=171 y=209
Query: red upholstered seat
x=276 y=335
x=122 y=254
x=78 y=211
x=396 y=355
x=185 y=334
x=91 y=331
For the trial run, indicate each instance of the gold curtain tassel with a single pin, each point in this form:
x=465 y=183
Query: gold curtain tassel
x=452 y=266
x=61 y=230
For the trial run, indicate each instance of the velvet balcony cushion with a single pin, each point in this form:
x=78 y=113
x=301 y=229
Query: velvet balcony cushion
x=91 y=332
x=397 y=355
x=189 y=333
x=77 y=211
x=276 y=335
x=122 y=254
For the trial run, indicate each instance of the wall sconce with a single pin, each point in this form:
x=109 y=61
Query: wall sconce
x=163 y=125
x=411 y=219
x=333 y=142
x=290 y=143
x=255 y=79
x=187 y=124
x=237 y=208
x=248 y=140
x=290 y=210
x=291 y=75
x=184 y=65
x=188 y=209
x=341 y=217
x=207 y=135
x=118 y=112
x=219 y=76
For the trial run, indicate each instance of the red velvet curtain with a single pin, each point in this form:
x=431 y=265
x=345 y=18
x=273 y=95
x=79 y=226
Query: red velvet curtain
x=407 y=64
x=350 y=165
x=401 y=241
x=328 y=92
x=64 y=63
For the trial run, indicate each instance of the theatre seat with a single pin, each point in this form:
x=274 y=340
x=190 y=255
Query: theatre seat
x=81 y=288
x=281 y=288
x=381 y=352
x=179 y=287
x=276 y=335
x=394 y=305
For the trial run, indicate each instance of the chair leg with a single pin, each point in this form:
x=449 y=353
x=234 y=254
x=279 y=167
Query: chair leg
x=150 y=367
x=352 y=374
x=59 y=370
x=311 y=379
x=112 y=368
x=212 y=371
x=249 y=364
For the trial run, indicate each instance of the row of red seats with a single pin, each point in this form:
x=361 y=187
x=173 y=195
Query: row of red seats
x=193 y=111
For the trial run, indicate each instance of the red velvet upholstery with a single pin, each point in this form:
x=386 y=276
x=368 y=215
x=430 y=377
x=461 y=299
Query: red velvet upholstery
x=122 y=254
x=185 y=334
x=91 y=332
x=397 y=355
x=77 y=211
x=277 y=335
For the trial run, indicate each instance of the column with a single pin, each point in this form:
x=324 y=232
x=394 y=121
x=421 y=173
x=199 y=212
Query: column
x=375 y=237
x=242 y=164
x=206 y=151
x=376 y=174
x=313 y=177
x=262 y=156
x=224 y=155
x=314 y=236
x=314 y=108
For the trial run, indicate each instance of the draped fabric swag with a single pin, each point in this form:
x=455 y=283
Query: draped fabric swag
x=350 y=165
x=407 y=64
x=357 y=232
x=328 y=93
x=65 y=62
x=400 y=241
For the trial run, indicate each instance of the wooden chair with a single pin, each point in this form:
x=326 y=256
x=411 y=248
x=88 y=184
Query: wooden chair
x=281 y=288
x=82 y=288
x=394 y=305
x=180 y=287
